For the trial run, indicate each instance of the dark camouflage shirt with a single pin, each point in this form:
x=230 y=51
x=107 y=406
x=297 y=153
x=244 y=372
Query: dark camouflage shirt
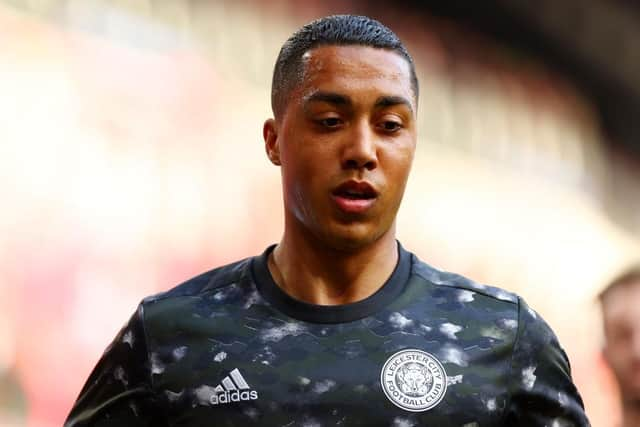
x=230 y=348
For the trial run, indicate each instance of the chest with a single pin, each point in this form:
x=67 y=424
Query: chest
x=279 y=373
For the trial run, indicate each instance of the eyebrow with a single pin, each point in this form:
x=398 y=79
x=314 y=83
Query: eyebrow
x=342 y=100
x=328 y=97
x=390 y=101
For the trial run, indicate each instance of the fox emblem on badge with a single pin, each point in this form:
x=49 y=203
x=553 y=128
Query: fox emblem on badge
x=413 y=380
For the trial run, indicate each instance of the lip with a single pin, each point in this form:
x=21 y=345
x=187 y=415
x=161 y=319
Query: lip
x=355 y=205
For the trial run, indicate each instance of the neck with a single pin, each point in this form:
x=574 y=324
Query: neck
x=630 y=413
x=314 y=273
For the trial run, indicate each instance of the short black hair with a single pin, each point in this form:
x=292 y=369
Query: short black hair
x=628 y=277
x=341 y=30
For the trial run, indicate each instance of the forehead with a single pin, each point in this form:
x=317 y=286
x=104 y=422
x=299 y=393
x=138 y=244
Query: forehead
x=356 y=67
x=623 y=301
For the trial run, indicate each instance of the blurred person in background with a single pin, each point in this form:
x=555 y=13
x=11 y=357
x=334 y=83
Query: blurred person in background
x=13 y=402
x=620 y=303
x=337 y=324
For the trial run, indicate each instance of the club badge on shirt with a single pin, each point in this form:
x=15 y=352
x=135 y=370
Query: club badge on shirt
x=413 y=380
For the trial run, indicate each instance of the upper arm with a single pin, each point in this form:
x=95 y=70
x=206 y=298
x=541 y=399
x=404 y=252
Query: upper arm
x=542 y=392
x=119 y=391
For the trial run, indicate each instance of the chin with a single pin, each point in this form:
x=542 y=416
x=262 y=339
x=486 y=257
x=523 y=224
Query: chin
x=353 y=237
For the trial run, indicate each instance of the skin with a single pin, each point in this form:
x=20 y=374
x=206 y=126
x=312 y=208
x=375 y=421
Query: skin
x=621 y=316
x=352 y=117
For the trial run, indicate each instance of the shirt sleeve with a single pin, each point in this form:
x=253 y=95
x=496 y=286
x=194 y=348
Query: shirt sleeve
x=119 y=391
x=542 y=392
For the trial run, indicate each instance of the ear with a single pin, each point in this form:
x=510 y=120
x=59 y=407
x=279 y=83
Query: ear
x=271 y=143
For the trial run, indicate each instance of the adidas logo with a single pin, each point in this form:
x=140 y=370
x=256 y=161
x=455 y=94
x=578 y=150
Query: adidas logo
x=234 y=388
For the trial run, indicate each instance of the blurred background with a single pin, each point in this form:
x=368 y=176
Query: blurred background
x=131 y=159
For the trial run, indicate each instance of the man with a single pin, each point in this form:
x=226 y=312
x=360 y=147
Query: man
x=620 y=303
x=337 y=324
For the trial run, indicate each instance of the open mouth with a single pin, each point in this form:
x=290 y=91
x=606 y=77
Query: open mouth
x=356 y=190
x=355 y=197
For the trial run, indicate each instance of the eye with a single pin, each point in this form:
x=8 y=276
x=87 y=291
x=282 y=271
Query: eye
x=621 y=334
x=330 y=122
x=390 y=126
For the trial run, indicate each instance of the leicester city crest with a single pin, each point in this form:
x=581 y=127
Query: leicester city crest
x=413 y=380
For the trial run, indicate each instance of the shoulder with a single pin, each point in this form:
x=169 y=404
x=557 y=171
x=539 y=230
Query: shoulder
x=205 y=283
x=201 y=296
x=453 y=282
x=531 y=329
x=209 y=300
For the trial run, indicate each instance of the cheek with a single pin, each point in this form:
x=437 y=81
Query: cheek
x=397 y=176
x=308 y=164
x=305 y=175
x=304 y=181
x=618 y=356
x=399 y=160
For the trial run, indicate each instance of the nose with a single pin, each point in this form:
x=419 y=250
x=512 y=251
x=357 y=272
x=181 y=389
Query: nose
x=360 y=150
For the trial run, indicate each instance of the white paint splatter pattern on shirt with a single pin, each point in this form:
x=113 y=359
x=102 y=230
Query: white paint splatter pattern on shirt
x=224 y=293
x=491 y=405
x=120 y=375
x=509 y=323
x=528 y=377
x=402 y=422
x=173 y=397
x=252 y=299
x=452 y=354
x=478 y=286
x=398 y=321
x=277 y=333
x=157 y=367
x=450 y=330
x=456 y=379
x=493 y=332
x=134 y=408
x=310 y=422
x=203 y=394
x=179 y=352
x=503 y=295
x=323 y=386
x=304 y=380
x=465 y=296
x=563 y=399
x=561 y=422
x=128 y=338
x=266 y=356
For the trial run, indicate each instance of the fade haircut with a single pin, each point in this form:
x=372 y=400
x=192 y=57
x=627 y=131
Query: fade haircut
x=340 y=30
x=630 y=277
